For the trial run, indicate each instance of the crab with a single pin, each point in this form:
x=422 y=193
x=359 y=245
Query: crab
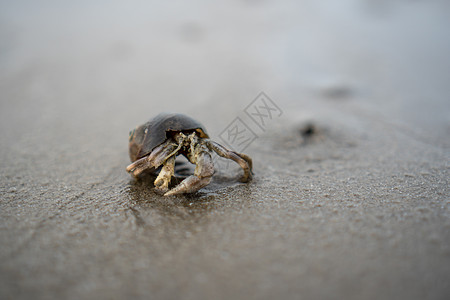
x=158 y=142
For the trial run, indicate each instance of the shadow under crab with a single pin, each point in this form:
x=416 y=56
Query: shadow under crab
x=157 y=143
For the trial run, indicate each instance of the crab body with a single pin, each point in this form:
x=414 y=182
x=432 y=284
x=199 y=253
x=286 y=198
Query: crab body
x=157 y=143
x=144 y=138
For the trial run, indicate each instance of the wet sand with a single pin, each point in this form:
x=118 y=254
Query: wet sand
x=350 y=197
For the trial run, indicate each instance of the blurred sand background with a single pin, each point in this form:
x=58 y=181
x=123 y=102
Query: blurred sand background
x=350 y=198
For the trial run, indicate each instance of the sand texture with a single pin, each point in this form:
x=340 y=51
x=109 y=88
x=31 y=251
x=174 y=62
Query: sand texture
x=350 y=142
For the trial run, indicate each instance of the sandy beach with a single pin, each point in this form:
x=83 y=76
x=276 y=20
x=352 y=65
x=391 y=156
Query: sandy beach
x=344 y=109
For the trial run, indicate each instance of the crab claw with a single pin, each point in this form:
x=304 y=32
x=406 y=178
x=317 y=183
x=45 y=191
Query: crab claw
x=204 y=170
x=189 y=185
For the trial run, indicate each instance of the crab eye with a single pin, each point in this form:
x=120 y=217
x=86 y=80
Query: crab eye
x=131 y=134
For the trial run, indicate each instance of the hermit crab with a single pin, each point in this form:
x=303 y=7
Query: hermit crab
x=155 y=145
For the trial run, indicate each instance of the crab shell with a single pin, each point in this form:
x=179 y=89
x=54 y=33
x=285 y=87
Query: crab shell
x=143 y=139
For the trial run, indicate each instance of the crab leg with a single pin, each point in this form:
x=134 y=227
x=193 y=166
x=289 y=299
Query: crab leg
x=158 y=156
x=204 y=170
x=165 y=175
x=243 y=160
x=139 y=166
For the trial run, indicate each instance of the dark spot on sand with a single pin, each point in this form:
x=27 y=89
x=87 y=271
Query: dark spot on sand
x=308 y=130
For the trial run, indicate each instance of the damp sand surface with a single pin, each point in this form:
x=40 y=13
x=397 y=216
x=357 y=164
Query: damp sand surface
x=350 y=196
